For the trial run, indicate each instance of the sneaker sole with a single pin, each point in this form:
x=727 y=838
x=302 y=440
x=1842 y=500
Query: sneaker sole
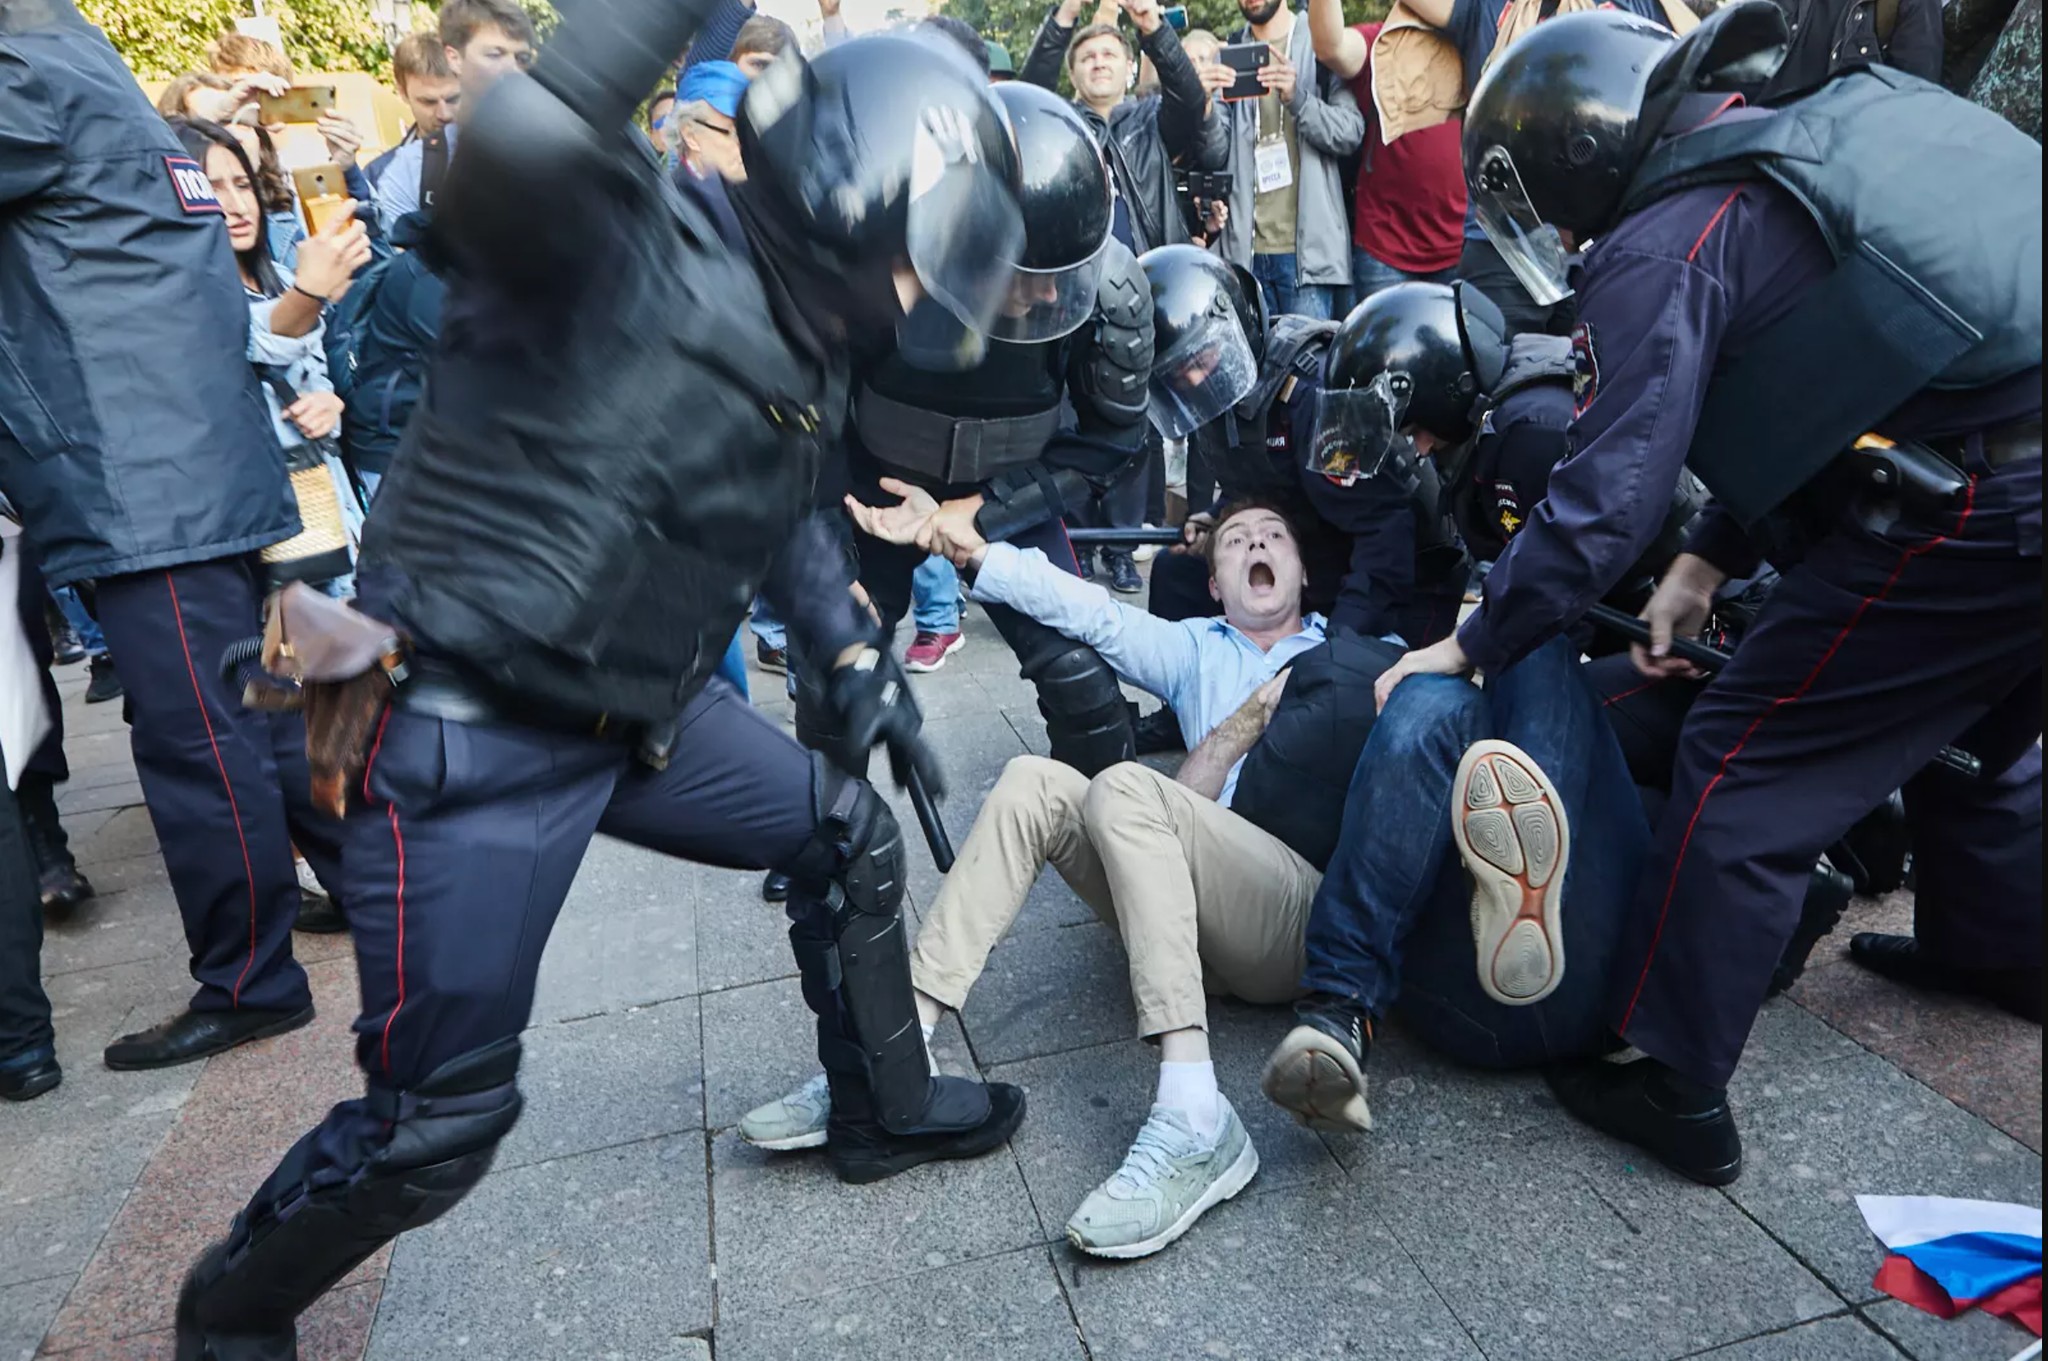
x=1234 y=1179
x=1512 y=834
x=271 y=1031
x=972 y=1144
x=1316 y=1080
x=788 y=1144
x=925 y=668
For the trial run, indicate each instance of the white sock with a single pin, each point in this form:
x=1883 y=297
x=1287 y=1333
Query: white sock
x=931 y=1060
x=1190 y=1088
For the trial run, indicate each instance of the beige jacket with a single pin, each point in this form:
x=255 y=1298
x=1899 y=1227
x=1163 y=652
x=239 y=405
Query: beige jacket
x=1418 y=79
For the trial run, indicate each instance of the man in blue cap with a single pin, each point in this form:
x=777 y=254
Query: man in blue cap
x=701 y=125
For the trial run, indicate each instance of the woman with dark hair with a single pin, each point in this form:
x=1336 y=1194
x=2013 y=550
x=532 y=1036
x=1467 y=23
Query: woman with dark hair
x=287 y=342
x=283 y=226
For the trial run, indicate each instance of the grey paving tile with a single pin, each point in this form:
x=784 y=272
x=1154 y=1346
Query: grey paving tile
x=73 y=801
x=1029 y=725
x=99 y=749
x=608 y=1080
x=1423 y=1105
x=627 y=935
x=1558 y=1245
x=40 y=1239
x=97 y=776
x=26 y=1311
x=1086 y=1107
x=123 y=833
x=1836 y=1339
x=601 y=1255
x=130 y=872
x=1305 y=1272
x=119 y=928
x=1007 y=1306
x=1974 y=1336
x=1857 y=1124
x=740 y=938
x=1049 y=991
x=787 y=1230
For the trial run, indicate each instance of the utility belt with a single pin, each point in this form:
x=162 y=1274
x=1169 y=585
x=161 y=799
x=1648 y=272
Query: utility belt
x=436 y=688
x=949 y=449
x=1882 y=482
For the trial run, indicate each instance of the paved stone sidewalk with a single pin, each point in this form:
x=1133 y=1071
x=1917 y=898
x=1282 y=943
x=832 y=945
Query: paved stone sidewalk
x=625 y=1220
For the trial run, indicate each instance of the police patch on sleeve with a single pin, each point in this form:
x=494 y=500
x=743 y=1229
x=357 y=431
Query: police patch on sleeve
x=195 y=191
x=1585 y=368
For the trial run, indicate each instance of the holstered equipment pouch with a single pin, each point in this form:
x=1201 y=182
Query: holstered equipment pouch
x=949 y=449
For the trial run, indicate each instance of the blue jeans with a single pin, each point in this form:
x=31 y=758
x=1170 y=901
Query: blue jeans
x=767 y=627
x=1370 y=274
x=1391 y=918
x=82 y=623
x=1276 y=275
x=733 y=666
x=935 y=597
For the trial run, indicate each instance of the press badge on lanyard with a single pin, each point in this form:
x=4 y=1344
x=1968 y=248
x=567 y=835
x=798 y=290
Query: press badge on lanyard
x=1269 y=160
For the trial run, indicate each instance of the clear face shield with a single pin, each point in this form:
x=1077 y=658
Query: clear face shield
x=1532 y=247
x=1358 y=433
x=1208 y=371
x=1045 y=304
x=964 y=234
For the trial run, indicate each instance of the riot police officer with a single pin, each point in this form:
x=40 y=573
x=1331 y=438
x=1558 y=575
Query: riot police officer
x=1854 y=372
x=1076 y=331
x=135 y=443
x=619 y=437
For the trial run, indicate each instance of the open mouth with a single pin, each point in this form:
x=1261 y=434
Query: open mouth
x=1260 y=578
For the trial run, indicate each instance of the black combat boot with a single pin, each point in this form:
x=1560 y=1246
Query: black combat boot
x=57 y=877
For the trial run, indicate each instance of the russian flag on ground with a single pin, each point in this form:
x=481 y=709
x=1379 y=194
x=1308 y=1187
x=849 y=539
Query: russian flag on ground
x=1949 y=1255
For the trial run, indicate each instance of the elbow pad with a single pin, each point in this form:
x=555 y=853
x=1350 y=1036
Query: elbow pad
x=1019 y=498
x=1113 y=370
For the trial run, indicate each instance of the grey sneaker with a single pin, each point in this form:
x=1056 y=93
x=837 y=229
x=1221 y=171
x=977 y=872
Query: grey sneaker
x=792 y=1122
x=1169 y=1178
x=1511 y=832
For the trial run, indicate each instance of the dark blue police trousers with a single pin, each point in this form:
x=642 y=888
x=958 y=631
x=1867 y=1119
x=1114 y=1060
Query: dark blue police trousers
x=227 y=788
x=25 y=1033
x=1877 y=649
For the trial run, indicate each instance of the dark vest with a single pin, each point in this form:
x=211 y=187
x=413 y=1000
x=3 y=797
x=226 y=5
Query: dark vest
x=1932 y=208
x=591 y=492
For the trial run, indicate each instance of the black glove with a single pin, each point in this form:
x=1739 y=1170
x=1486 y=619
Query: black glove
x=874 y=706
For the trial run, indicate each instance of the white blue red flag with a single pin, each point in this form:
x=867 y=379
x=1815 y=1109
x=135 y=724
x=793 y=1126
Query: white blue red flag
x=1948 y=1255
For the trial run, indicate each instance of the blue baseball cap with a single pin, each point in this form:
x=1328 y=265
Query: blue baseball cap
x=718 y=83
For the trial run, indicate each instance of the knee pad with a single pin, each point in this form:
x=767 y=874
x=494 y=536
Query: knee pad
x=846 y=928
x=307 y=1228
x=1087 y=723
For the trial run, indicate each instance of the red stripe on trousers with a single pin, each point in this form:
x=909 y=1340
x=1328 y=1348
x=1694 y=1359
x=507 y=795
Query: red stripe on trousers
x=248 y=871
x=1856 y=617
x=398 y=842
x=1612 y=700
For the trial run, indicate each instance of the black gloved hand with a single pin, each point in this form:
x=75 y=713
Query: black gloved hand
x=874 y=706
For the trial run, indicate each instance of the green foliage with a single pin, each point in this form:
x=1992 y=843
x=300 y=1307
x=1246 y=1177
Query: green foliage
x=331 y=35
x=1014 y=23
x=162 y=38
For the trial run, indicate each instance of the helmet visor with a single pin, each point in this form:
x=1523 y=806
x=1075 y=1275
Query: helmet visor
x=1045 y=304
x=964 y=232
x=1358 y=430
x=1209 y=370
x=1531 y=246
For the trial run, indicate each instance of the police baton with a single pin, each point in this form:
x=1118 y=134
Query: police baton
x=1122 y=538
x=1713 y=659
x=928 y=818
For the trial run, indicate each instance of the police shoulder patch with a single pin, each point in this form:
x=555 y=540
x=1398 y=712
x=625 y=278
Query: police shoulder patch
x=1585 y=368
x=194 y=190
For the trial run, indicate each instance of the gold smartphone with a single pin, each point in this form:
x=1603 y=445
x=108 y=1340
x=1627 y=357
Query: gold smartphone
x=323 y=194
x=299 y=104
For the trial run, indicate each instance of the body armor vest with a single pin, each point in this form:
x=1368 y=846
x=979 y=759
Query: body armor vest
x=1932 y=208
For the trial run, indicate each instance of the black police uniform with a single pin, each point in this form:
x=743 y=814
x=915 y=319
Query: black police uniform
x=619 y=435
x=135 y=442
x=1729 y=325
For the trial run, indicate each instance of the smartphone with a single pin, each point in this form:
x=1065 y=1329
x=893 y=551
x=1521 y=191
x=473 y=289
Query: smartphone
x=323 y=194
x=300 y=104
x=1176 y=17
x=1247 y=60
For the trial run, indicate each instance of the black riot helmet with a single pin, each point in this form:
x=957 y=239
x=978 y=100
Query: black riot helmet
x=1063 y=189
x=1414 y=356
x=1207 y=338
x=892 y=148
x=1564 y=117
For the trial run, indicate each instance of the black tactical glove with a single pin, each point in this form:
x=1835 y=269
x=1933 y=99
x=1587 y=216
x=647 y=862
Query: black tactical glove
x=874 y=706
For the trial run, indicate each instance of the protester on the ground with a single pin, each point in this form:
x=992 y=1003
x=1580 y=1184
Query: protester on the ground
x=1830 y=36
x=428 y=85
x=1408 y=212
x=130 y=352
x=1288 y=223
x=1205 y=901
x=482 y=40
